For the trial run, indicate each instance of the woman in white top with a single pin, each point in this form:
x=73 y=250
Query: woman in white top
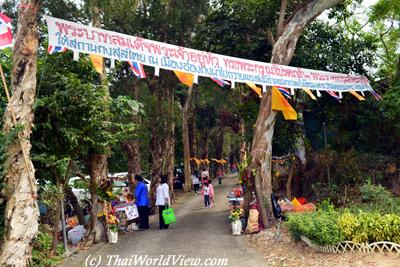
x=195 y=181
x=162 y=199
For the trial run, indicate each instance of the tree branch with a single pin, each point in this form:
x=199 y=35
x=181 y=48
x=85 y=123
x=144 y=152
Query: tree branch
x=281 y=18
x=285 y=45
x=270 y=38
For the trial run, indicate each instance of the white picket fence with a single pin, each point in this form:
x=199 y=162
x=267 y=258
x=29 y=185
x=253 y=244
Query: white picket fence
x=348 y=246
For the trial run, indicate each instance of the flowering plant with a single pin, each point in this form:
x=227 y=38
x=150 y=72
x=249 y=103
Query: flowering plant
x=235 y=215
x=111 y=220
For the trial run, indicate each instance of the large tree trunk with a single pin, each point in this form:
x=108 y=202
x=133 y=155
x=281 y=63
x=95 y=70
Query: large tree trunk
x=243 y=144
x=131 y=147
x=98 y=170
x=282 y=53
x=192 y=136
x=205 y=139
x=156 y=154
x=171 y=144
x=186 y=145
x=98 y=162
x=170 y=162
x=220 y=144
x=300 y=145
x=21 y=213
x=290 y=178
x=132 y=151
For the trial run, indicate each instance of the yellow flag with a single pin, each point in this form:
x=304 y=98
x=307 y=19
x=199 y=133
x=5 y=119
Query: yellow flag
x=308 y=91
x=357 y=95
x=185 y=78
x=280 y=103
x=97 y=62
x=255 y=88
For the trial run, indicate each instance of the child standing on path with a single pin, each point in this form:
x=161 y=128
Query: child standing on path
x=206 y=194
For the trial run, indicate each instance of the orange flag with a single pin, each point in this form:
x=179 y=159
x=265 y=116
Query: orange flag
x=97 y=62
x=357 y=95
x=255 y=88
x=280 y=103
x=185 y=78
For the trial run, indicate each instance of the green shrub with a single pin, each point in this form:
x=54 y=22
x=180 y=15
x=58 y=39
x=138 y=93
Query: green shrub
x=370 y=227
x=377 y=199
x=320 y=226
x=374 y=193
x=332 y=227
x=41 y=252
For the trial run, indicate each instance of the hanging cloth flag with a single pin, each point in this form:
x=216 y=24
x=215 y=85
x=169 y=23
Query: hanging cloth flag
x=357 y=95
x=280 y=103
x=284 y=91
x=308 y=91
x=375 y=95
x=220 y=82
x=185 y=78
x=97 y=62
x=54 y=49
x=6 y=36
x=137 y=69
x=255 y=88
x=334 y=95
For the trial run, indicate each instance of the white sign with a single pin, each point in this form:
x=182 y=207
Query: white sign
x=117 y=46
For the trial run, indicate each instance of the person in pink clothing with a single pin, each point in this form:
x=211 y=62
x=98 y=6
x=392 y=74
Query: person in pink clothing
x=211 y=193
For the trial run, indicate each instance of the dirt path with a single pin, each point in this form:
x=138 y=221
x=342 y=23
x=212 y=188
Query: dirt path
x=199 y=233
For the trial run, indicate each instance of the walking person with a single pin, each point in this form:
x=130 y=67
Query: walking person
x=206 y=194
x=211 y=193
x=205 y=175
x=220 y=175
x=162 y=199
x=195 y=181
x=142 y=202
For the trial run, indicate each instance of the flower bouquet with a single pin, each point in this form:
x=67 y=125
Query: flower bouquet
x=235 y=215
x=112 y=225
x=236 y=222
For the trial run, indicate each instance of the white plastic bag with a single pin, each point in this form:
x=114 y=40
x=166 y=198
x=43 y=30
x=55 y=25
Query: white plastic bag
x=76 y=234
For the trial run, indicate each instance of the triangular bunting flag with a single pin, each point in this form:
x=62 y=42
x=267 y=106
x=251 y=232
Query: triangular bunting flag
x=97 y=62
x=375 y=95
x=137 y=69
x=185 y=78
x=220 y=82
x=53 y=49
x=358 y=96
x=280 y=103
x=308 y=91
x=334 y=95
x=284 y=91
x=255 y=88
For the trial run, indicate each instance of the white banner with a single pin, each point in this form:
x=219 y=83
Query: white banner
x=117 y=46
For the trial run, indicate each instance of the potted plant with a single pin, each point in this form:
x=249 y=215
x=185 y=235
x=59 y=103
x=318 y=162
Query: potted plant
x=235 y=220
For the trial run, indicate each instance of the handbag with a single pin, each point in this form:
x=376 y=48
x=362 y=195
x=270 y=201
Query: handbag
x=169 y=216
